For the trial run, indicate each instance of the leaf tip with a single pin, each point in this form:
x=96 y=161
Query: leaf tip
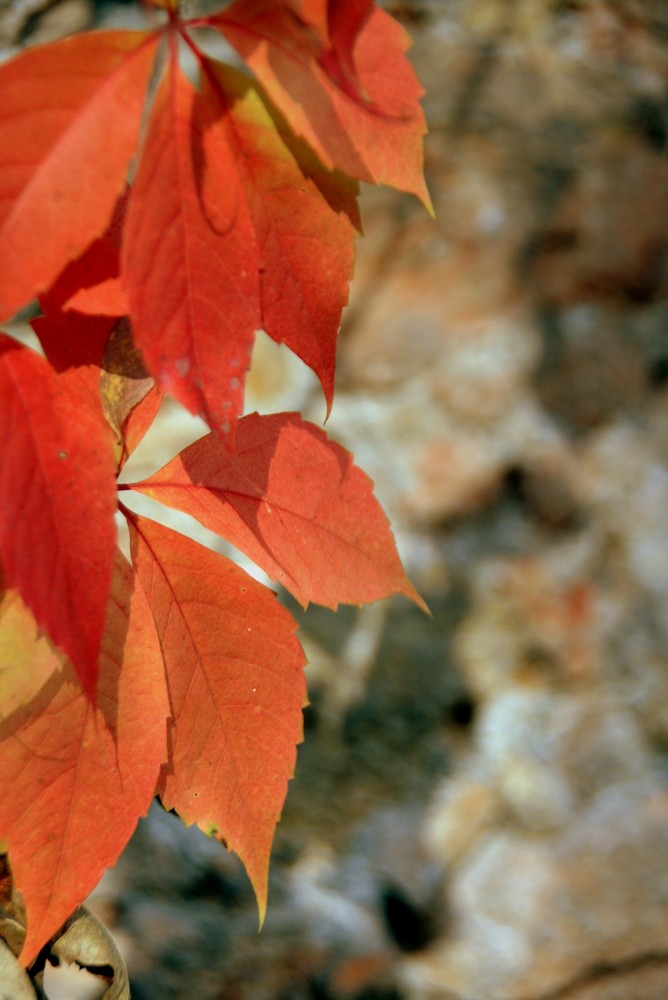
x=260 y=883
x=409 y=591
x=421 y=192
x=428 y=203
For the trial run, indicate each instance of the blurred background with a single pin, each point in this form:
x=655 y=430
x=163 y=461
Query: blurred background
x=480 y=809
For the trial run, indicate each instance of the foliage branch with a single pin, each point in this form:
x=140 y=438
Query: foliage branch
x=160 y=223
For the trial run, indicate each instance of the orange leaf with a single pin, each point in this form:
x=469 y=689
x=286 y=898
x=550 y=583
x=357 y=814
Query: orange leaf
x=337 y=23
x=27 y=659
x=356 y=103
x=192 y=293
x=75 y=779
x=244 y=228
x=313 y=13
x=74 y=346
x=334 y=20
x=58 y=490
x=70 y=114
x=236 y=685
x=305 y=219
x=91 y=284
x=96 y=354
x=294 y=502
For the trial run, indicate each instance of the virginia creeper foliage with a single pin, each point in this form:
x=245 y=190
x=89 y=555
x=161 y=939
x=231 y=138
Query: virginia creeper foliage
x=160 y=221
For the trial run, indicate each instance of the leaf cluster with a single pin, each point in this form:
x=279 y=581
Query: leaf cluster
x=161 y=220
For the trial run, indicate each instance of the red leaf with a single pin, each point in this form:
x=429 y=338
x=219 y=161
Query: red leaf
x=358 y=108
x=294 y=502
x=239 y=230
x=97 y=355
x=196 y=331
x=337 y=23
x=305 y=219
x=234 y=671
x=91 y=284
x=70 y=114
x=57 y=503
x=74 y=779
x=74 y=346
x=313 y=13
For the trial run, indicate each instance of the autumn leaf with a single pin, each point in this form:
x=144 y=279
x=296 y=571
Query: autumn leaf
x=58 y=498
x=356 y=103
x=27 y=659
x=101 y=298
x=91 y=284
x=196 y=334
x=294 y=502
x=242 y=229
x=305 y=219
x=97 y=355
x=70 y=113
x=314 y=13
x=337 y=25
x=74 y=346
x=77 y=778
x=236 y=686
x=183 y=676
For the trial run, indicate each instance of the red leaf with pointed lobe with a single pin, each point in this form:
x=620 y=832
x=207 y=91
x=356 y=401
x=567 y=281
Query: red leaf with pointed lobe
x=294 y=502
x=236 y=685
x=75 y=779
x=305 y=219
x=70 y=114
x=57 y=503
x=358 y=109
x=241 y=229
x=196 y=333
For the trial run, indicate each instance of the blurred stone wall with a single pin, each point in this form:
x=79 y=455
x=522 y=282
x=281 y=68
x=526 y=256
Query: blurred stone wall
x=509 y=365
